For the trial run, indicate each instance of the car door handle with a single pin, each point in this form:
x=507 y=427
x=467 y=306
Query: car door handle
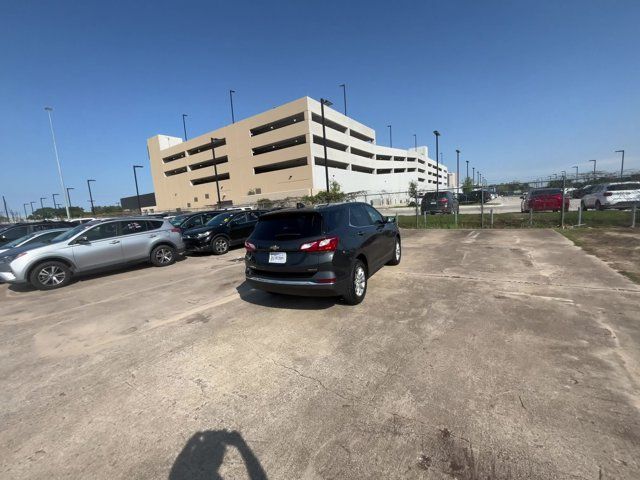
x=115 y=242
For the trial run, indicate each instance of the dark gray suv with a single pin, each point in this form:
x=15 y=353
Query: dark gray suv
x=330 y=250
x=440 y=202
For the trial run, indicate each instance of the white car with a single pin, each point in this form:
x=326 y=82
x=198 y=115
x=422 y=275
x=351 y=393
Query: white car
x=618 y=195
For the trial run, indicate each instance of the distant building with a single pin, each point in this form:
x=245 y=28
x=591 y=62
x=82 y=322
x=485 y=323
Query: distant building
x=278 y=154
x=147 y=202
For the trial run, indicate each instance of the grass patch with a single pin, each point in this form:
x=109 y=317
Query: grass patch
x=607 y=218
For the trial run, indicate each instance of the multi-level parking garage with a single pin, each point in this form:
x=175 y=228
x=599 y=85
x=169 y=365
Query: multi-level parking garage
x=278 y=154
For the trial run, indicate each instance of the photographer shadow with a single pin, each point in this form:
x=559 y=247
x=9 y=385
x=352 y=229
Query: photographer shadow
x=204 y=453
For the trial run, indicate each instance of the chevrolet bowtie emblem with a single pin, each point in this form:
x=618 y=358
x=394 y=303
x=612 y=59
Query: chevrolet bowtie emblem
x=274 y=247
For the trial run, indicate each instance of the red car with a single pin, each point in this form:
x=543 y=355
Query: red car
x=541 y=199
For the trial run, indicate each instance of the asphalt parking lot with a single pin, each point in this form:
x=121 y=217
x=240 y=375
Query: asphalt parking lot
x=504 y=352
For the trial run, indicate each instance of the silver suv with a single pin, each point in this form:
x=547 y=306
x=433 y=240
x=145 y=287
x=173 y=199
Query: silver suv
x=91 y=246
x=612 y=195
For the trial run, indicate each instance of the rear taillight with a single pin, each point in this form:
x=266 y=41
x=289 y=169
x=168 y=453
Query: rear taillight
x=176 y=230
x=322 y=245
x=249 y=246
x=607 y=194
x=444 y=200
x=326 y=280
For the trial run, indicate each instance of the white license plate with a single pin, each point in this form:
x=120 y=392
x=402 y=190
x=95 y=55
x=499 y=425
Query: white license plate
x=432 y=203
x=277 y=257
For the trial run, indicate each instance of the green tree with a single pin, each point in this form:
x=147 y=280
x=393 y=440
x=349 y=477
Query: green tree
x=467 y=186
x=335 y=194
x=413 y=190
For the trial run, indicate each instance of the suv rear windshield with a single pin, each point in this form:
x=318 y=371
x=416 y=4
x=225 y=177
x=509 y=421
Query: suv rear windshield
x=288 y=226
x=432 y=195
x=616 y=187
x=546 y=191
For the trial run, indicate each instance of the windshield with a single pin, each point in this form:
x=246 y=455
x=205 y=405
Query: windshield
x=432 y=195
x=288 y=226
x=70 y=233
x=219 y=219
x=18 y=241
x=178 y=219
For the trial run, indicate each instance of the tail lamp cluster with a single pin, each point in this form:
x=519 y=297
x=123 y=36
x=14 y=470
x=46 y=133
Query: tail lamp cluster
x=329 y=244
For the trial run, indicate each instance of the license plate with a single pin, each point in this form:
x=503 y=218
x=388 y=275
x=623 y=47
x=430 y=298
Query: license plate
x=277 y=257
x=432 y=203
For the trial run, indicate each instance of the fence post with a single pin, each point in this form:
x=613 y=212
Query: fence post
x=456 y=217
x=579 y=214
x=564 y=177
x=481 y=207
x=530 y=216
x=491 y=212
x=633 y=215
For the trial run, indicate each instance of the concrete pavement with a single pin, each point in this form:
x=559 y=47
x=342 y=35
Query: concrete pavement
x=514 y=345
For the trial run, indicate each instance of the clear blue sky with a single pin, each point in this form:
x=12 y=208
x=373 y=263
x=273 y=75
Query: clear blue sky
x=522 y=88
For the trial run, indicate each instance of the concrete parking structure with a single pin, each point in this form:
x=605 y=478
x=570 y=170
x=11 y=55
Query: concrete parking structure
x=514 y=344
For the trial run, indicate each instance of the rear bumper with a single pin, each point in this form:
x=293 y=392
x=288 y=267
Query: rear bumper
x=296 y=286
x=442 y=209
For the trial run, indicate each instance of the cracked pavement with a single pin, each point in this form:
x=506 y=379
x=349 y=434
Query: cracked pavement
x=512 y=345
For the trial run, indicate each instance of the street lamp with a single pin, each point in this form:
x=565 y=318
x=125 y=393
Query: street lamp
x=594 y=168
x=135 y=177
x=415 y=142
x=93 y=210
x=323 y=102
x=233 y=117
x=344 y=96
x=473 y=176
x=458 y=171
x=69 y=196
x=55 y=150
x=467 y=169
x=55 y=204
x=184 y=125
x=32 y=210
x=622 y=165
x=42 y=205
x=576 y=167
x=26 y=215
x=215 y=166
x=437 y=134
x=390 y=136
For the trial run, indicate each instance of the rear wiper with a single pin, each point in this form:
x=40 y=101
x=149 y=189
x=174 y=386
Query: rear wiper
x=280 y=235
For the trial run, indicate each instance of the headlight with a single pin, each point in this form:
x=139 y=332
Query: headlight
x=202 y=235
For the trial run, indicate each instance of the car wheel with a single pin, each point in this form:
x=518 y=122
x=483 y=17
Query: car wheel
x=219 y=245
x=598 y=205
x=50 y=275
x=397 y=253
x=357 y=284
x=163 y=255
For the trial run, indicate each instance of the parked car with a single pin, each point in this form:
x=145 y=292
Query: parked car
x=18 y=230
x=440 y=202
x=618 y=195
x=543 y=199
x=581 y=192
x=329 y=250
x=476 y=196
x=221 y=232
x=92 y=246
x=185 y=221
x=80 y=221
x=35 y=238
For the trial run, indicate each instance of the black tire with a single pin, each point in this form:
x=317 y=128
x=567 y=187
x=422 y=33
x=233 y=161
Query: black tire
x=584 y=206
x=358 y=273
x=219 y=245
x=397 y=253
x=163 y=256
x=598 y=205
x=50 y=275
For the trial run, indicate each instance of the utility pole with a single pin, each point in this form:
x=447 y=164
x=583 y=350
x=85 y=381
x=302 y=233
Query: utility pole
x=622 y=165
x=135 y=177
x=437 y=134
x=344 y=96
x=6 y=210
x=93 y=210
x=233 y=117
x=467 y=170
x=55 y=149
x=323 y=102
x=215 y=167
x=184 y=125
x=415 y=142
x=458 y=172
x=390 y=136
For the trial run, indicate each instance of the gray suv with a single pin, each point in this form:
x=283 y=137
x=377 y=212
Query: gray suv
x=92 y=246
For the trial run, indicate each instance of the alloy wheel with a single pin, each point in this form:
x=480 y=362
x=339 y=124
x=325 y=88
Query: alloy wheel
x=220 y=245
x=51 y=276
x=359 y=281
x=164 y=255
x=397 y=250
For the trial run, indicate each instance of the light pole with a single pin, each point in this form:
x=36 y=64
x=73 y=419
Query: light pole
x=576 y=167
x=184 y=125
x=55 y=204
x=415 y=142
x=323 y=102
x=467 y=169
x=135 y=177
x=26 y=215
x=93 y=210
x=69 y=197
x=344 y=96
x=233 y=117
x=42 y=205
x=55 y=150
x=32 y=210
x=473 y=176
x=458 y=171
x=6 y=210
x=594 y=168
x=215 y=166
x=390 y=136
x=622 y=165
x=437 y=134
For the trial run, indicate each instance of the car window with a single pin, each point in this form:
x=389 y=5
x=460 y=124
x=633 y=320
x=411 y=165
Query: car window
x=15 y=232
x=154 y=224
x=240 y=219
x=133 y=226
x=45 y=237
x=358 y=216
x=623 y=186
x=102 y=231
x=194 y=222
x=374 y=214
x=288 y=226
x=252 y=217
x=334 y=218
